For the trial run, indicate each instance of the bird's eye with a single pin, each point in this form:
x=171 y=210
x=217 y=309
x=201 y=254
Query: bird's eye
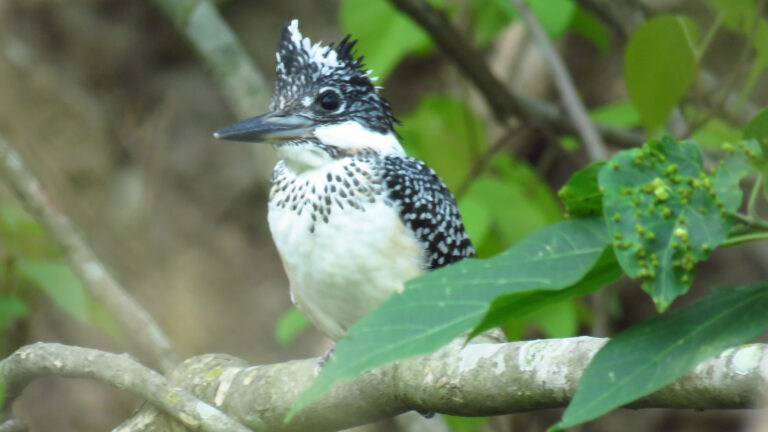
x=329 y=100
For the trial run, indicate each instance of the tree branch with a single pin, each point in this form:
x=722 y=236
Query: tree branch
x=571 y=99
x=241 y=82
x=503 y=102
x=137 y=325
x=477 y=380
x=42 y=359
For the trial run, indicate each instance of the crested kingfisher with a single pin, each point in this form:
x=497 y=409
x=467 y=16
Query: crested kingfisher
x=352 y=216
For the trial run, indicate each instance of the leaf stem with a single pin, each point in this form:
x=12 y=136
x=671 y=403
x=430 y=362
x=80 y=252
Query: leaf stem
x=737 y=240
x=752 y=203
x=707 y=41
x=752 y=221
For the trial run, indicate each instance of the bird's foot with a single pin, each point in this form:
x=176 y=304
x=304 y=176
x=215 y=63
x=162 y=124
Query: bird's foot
x=324 y=359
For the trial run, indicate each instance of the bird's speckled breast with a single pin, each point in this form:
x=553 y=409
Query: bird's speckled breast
x=343 y=245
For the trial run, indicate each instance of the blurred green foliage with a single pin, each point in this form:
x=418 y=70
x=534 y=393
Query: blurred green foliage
x=32 y=264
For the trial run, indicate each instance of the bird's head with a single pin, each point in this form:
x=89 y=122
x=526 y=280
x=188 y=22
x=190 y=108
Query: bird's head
x=325 y=106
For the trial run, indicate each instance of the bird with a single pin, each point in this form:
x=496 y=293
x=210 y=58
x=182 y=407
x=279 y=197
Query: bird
x=351 y=215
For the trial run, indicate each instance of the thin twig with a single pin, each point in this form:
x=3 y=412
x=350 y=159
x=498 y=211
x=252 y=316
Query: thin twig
x=42 y=359
x=137 y=325
x=573 y=104
x=503 y=101
x=751 y=221
x=744 y=238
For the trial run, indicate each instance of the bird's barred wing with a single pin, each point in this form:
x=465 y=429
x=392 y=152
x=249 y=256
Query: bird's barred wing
x=428 y=208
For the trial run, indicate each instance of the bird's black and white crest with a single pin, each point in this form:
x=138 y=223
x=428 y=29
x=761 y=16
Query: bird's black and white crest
x=306 y=70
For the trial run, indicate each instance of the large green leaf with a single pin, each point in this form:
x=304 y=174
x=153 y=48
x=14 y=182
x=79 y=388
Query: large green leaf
x=656 y=352
x=665 y=213
x=385 y=35
x=56 y=279
x=441 y=305
x=659 y=67
x=520 y=304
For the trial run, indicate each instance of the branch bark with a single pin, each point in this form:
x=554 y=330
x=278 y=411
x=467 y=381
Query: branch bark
x=137 y=325
x=503 y=102
x=477 y=380
x=42 y=359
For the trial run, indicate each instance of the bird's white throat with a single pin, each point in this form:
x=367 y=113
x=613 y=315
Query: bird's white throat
x=347 y=137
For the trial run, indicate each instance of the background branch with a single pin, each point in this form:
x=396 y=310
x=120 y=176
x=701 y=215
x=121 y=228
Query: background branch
x=213 y=40
x=137 y=325
x=41 y=359
x=502 y=101
x=476 y=380
x=564 y=83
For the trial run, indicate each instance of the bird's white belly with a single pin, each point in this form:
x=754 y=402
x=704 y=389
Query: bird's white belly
x=348 y=265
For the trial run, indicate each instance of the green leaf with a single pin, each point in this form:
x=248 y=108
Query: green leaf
x=739 y=14
x=441 y=305
x=465 y=424
x=289 y=326
x=587 y=25
x=446 y=134
x=56 y=279
x=21 y=235
x=488 y=18
x=620 y=114
x=477 y=218
x=554 y=15
x=758 y=129
x=556 y=320
x=656 y=352
x=659 y=67
x=384 y=34
x=11 y=308
x=581 y=195
x=520 y=304
x=715 y=132
x=665 y=213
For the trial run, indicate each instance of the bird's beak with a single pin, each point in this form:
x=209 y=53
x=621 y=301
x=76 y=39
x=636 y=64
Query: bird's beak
x=272 y=126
